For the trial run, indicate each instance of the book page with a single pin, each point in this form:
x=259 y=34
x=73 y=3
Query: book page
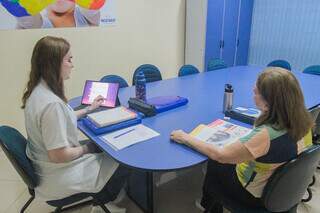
x=220 y=132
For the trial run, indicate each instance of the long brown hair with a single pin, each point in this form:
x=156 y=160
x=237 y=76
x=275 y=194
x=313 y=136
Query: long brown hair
x=46 y=63
x=286 y=109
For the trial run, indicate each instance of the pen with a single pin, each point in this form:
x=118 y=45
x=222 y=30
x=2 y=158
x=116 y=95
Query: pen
x=124 y=133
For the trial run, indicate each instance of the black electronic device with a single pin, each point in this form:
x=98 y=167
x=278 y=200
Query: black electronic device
x=141 y=106
x=240 y=117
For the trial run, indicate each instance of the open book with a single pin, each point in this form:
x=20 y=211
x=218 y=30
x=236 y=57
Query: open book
x=111 y=116
x=219 y=132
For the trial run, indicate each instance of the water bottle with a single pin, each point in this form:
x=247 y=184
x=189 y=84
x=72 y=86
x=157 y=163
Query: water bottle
x=141 y=86
x=227 y=98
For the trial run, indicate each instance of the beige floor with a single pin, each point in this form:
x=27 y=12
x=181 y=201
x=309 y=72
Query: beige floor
x=174 y=197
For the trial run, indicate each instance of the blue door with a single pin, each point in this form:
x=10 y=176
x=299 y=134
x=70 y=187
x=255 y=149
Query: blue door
x=214 y=29
x=230 y=24
x=244 y=29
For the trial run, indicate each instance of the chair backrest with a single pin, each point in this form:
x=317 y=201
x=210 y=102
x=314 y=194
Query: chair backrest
x=14 y=146
x=216 y=64
x=280 y=63
x=114 y=79
x=315 y=69
x=188 y=69
x=315 y=114
x=289 y=183
x=151 y=73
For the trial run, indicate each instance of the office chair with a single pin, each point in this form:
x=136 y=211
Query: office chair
x=14 y=146
x=286 y=186
x=280 y=63
x=151 y=73
x=215 y=64
x=187 y=69
x=315 y=70
x=114 y=79
x=315 y=114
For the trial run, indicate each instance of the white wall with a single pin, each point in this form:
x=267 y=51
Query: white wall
x=147 y=31
x=286 y=29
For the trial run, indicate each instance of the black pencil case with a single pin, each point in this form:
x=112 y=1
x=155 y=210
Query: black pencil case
x=240 y=117
x=141 y=106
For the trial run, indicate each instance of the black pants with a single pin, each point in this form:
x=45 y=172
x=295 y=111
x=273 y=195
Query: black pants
x=221 y=181
x=110 y=191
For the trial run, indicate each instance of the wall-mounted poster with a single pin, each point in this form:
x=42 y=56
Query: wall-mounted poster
x=29 y=14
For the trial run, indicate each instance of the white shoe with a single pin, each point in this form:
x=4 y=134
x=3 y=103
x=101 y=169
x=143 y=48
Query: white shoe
x=120 y=196
x=198 y=204
x=110 y=206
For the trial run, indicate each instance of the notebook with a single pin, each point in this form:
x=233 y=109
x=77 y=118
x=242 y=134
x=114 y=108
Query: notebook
x=111 y=116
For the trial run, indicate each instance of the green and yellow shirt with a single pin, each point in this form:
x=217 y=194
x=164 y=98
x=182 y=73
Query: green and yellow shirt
x=271 y=148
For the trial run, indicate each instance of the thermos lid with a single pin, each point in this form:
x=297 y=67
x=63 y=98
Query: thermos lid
x=140 y=76
x=228 y=88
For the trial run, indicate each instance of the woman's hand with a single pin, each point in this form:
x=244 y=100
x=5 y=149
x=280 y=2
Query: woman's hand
x=179 y=136
x=96 y=103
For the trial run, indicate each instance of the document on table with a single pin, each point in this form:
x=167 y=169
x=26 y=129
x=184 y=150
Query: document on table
x=126 y=137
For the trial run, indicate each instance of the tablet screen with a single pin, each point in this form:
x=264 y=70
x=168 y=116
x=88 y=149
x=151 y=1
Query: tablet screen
x=92 y=89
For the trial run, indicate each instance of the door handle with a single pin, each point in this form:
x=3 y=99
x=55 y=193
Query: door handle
x=221 y=44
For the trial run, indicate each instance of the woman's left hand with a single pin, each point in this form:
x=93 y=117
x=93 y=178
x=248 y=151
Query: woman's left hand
x=179 y=136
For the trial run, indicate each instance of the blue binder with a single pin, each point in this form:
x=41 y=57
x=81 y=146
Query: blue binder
x=100 y=130
x=165 y=103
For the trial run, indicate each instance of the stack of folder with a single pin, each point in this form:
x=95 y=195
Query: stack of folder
x=111 y=120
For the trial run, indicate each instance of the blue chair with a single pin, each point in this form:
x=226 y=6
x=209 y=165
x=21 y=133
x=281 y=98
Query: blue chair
x=315 y=70
x=280 y=63
x=216 y=64
x=187 y=69
x=14 y=146
x=285 y=188
x=114 y=79
x=150 y=72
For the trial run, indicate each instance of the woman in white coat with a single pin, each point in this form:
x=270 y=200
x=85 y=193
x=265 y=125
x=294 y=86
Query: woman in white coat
x=65 y=166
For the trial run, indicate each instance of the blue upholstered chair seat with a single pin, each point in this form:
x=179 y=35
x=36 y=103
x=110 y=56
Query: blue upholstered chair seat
x=14 y=146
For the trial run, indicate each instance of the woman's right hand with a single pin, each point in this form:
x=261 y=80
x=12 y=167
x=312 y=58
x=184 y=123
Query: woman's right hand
x=96 y=103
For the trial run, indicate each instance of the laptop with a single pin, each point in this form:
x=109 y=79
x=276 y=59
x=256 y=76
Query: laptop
x=93 y=89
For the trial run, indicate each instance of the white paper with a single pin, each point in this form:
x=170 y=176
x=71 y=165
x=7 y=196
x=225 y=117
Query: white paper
x=129 y=136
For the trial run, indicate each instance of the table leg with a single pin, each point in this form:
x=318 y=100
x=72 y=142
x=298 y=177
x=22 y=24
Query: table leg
x=141 y=190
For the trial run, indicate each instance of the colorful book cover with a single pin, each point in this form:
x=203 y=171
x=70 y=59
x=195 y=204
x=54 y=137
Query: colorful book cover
x=219 y=132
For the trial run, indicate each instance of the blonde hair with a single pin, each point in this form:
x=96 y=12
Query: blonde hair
x=286 y=109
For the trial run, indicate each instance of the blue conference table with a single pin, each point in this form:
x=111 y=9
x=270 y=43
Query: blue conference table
x=205 y=94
